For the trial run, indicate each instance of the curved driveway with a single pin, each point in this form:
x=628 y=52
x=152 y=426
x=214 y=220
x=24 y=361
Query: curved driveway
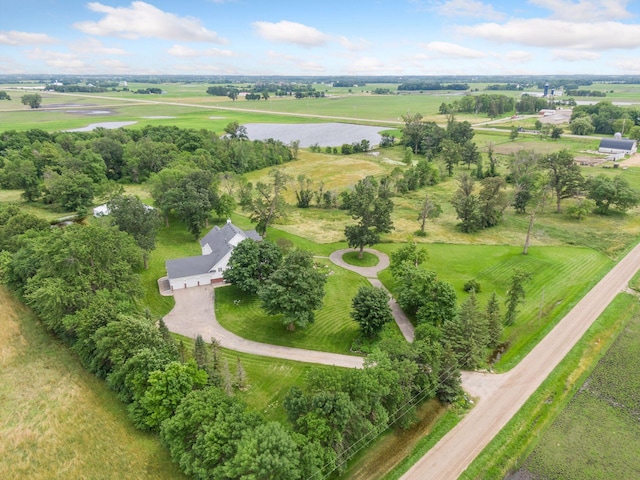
x=371 y=274
x=194 y=315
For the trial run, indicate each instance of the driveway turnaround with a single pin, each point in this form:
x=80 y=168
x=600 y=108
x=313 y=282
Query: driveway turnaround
x=501 y=396
x=371 y=274
x=195 y=315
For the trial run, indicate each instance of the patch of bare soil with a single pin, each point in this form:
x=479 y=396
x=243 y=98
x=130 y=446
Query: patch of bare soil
x=632 y=161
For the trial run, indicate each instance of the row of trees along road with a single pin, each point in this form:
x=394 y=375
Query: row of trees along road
x=82 y=283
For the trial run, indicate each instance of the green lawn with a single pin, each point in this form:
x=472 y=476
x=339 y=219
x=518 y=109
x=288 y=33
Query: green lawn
x=333 y=330
x=367 y=260
x=561 y=276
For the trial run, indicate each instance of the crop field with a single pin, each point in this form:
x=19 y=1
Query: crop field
x=597 y=436
x=59 y=421
x=509 y=449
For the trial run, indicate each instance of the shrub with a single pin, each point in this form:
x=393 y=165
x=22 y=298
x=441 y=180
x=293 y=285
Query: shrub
x=472 y=285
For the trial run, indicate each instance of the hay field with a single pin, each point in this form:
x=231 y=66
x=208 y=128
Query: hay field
x=57 y=420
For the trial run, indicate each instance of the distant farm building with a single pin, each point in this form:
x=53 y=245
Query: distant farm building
x=618 y=146
x=208 y=268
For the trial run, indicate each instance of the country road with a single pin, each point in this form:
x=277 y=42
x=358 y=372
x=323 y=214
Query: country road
x=501 y=396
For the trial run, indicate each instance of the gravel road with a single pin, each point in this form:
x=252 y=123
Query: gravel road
x=501 y=396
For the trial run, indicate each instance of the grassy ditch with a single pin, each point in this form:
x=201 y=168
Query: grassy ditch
x=518 y=438
x=597 y=435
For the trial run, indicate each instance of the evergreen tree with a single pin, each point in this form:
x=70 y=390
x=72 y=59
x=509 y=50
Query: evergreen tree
x=200 y=352
x=449 y=379
x=515 y=295
x=467 y=334
x=241 y=376
x=494 y=321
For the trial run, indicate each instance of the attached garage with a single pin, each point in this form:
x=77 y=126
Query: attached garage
x=209 y=267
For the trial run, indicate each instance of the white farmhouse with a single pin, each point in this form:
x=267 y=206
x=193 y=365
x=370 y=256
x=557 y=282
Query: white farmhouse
x=208 y=268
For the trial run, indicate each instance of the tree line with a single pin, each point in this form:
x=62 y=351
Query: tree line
x=70 y=169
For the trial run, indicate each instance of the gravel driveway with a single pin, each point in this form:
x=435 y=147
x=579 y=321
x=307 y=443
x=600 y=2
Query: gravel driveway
x=195 y=315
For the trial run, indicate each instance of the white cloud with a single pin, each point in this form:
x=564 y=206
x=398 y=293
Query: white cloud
x=93 y=46
x=144 y=20
x=116 y=66
x=540 y=32
x=372 y=66
x=354 y=46
x=291 y=32
x=574 y=55
x=62 y=62
x=183 y=51
x=453 y=50
x=627 y=65
x=585 y=10
x=17 y=39
x=468 y=8
x=518 y=56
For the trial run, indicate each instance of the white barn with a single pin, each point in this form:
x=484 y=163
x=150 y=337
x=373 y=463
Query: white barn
x=622 y=146
x=208 y=268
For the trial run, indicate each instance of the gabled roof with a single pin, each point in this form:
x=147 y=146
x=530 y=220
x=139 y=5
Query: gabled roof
x=218 y=239
x=618 y=143
x=185 y=267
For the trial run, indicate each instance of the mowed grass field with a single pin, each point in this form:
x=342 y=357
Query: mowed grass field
x=333 y=331
x=57 y=420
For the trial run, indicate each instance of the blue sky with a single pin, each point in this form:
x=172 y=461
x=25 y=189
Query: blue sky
x=327 y=37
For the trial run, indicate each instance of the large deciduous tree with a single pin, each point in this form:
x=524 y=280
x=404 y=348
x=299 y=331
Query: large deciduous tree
x=295 y=290
x=269 y=205
x=34 y=100
x=130 y=215
x=252 y=263
x=420 y=293
x=492 y=201
x=614 y=192
x=565 y=177
x=372 y=209
x=370 y=308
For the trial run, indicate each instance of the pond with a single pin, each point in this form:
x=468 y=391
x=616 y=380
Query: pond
x=323 y=134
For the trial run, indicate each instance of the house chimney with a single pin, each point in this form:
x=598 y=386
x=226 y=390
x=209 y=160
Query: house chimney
x=228 y=221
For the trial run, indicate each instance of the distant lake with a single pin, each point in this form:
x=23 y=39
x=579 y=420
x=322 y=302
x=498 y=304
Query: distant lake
x=324 y=134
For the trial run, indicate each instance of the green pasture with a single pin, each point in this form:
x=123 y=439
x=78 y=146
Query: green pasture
x=598 y=433
x=333 y=331
x=58 y=420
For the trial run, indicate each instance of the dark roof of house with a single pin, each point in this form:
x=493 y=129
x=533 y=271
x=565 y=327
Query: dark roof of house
x=617 y=143
x=185 y=267
x=218 y=240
